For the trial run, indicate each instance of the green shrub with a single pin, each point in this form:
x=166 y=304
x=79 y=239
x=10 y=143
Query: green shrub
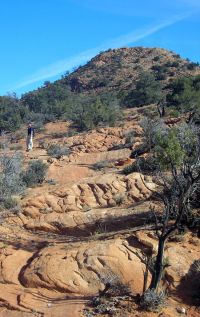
x=172 y=64
x=185 y=95
x=129 y=137
x=192 y=65
x=71 y=133
x=156 y=58
x=90 y=112
x=10 y=203
x=35 y=174
x=129 y=169
x=10 y=175
x=171 y=147
x=11 y=113
x=174 y=113
x=57 y=151
x=148 y=90
x=10 y=180
x=139 y=150
x=58 y=135
x=51 y=181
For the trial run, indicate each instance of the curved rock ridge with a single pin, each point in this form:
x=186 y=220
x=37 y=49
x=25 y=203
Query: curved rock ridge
x=79 y=204
x=42 y=281
x=102 y=139
x=82 y=270
x=99 y=192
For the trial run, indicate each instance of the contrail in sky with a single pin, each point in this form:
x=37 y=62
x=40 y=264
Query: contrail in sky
x=60 y=66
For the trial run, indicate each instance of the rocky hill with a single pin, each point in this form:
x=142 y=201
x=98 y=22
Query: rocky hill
x=118 y=69
x=125 y=77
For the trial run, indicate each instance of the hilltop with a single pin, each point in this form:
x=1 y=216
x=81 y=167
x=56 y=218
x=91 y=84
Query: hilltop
x=116 y=77
x=118 y=69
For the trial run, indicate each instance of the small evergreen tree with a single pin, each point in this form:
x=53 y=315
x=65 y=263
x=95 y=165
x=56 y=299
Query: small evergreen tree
x=148 y=90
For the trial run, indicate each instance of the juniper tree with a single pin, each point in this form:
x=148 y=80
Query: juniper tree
x=177 y=152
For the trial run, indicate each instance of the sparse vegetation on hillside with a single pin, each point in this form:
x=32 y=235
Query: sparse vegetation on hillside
x=88 y=113
x=35 y=173
x=185 y=96
x=11 y=182
x=57 y=151
x=91 y=94
x=147 y=90
x=12 y=113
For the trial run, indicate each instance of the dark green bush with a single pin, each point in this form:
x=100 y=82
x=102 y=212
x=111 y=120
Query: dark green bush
x=192 y=65
x=156 y=58
x=10 y=203
x=35 y=174
x=129 y=169
x=90 y=112
x=12 y=113
x=10 y=180
x=144 y=165
x=139 y=150
x=185 y=95
x=10 y=175
x=160 y=71
x=174 y=113
x=148 y=90
x=172 y=64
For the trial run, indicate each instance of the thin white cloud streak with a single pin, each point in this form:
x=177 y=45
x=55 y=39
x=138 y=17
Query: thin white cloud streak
x=67 y=64
x=191 y=3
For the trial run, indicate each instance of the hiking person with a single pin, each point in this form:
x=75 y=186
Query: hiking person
x=30 y=136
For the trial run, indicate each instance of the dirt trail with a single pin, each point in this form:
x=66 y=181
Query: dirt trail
x=63 y=308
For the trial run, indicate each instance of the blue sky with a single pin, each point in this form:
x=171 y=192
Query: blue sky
x=41 y=39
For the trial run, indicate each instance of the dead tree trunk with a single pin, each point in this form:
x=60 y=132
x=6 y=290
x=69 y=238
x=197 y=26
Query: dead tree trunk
x=158 y=267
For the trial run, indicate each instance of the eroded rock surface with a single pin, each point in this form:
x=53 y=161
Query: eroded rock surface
x=84 y=203
x=80 y=270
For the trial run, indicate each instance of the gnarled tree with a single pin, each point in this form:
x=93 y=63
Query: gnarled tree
x=177 y=151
